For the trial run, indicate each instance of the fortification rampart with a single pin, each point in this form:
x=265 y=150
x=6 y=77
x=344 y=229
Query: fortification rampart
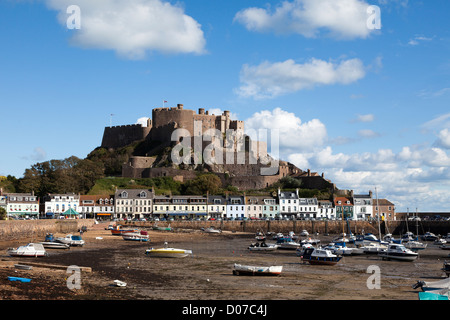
x=120 y=136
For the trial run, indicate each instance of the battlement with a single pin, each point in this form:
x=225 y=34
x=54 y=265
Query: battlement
x=164 y=121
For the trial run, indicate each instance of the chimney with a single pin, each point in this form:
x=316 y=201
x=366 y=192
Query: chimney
x=179 y=106
x=201 y=111
x=309 y=172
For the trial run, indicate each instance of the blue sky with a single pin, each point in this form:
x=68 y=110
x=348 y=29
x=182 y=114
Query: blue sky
x=369 y=108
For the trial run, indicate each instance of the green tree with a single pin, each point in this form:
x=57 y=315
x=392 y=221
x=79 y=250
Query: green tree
x=2 y=214
x=203 y=183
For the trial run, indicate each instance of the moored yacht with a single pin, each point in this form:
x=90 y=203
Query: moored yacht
x=398 y=252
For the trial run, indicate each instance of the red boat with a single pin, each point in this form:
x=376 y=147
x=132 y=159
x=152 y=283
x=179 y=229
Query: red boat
x=118 y=231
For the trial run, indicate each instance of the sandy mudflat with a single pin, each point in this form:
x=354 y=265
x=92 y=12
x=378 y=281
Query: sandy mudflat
x=207 y=275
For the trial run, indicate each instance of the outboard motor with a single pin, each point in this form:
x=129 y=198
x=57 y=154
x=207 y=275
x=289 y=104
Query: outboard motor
x=419 y=284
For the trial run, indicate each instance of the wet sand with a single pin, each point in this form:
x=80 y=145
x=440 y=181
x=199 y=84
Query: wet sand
x=207 y=275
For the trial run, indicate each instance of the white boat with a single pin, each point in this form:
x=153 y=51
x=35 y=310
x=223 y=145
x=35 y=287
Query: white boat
x=54 y=245
x=373 y=248
x=240 y=269
x=429 y=236
x=304 y=233
x=212 y=230
x=433 y=285
x=30 y=250
x=398 y=252
x=71 y=240
x=415 y=245
x=262 y=247
x=320 y=257
x=119 y=283
x=366 y=239
x=135 y=236
x=341 y=249
x=310 y=241
x=167 y=252
x=287 y=243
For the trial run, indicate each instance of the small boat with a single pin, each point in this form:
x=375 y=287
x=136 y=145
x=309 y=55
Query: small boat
x=367 y=239
x=167 y=252
x=439 y=241
x=118 y=230
x=429 y=236
x=310 y=241
x=71 y=240
x=19 y=279
x=446 y=268
x=445 y=247
x=23 y=267
x=257 y=271
x=260 y=236
x=262 y=247
x=212 y=230
x=398 y=252
x=55 y=245
x=293 y=235
x=136 y=236
x=30 y=250
x=304 y=233
x=373 y=248
x=415 y=245
x=320 y=257
x=51 y=243
x=433 y=285
x=119 y=283
x=408 y=236
x=157 y=228
x=430 y=295
x=286 y=243
x=339 y=249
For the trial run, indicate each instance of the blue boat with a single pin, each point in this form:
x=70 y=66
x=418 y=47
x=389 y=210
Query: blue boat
x=19 y=279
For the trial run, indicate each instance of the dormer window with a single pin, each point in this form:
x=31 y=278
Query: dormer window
x=143 y=194
x=124 y=194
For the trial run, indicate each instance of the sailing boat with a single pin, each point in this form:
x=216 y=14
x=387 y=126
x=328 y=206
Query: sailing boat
x=410 y=242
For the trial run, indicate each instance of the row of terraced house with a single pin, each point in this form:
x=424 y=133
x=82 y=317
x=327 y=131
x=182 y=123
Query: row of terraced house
x=138 y=204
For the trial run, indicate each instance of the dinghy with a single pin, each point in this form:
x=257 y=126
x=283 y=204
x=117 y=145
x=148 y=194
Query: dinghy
x=240 y=269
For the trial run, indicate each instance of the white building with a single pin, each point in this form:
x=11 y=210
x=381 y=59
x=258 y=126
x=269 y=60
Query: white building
x=133 y=203
x=97 y=207
x=307 y=208
x=57 y=204
x=289 y=203
x=326 y=210
x=22 y=205
x=217 y=207
x=363 y=206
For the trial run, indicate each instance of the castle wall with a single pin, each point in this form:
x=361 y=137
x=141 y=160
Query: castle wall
x=121 y=136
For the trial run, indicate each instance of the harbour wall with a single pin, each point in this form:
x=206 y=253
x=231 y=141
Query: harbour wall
x=322 y=227
x=36 y=229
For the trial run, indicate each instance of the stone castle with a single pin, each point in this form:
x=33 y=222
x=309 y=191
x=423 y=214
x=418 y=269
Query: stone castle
x=165 y=121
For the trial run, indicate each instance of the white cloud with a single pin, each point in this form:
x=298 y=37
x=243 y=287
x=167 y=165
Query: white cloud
x=367 y=133
x=444 y=139
x=133 y=27
x=142 y=121
x=269 y=80
x=364 y=118
x=343 y=19
x=293 y=133
x=218 y=111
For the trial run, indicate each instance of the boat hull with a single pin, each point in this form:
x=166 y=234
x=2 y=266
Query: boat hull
x=323 y=261
x=399 y=257
x=257 y=271
x=168 y=253
x=55 y=245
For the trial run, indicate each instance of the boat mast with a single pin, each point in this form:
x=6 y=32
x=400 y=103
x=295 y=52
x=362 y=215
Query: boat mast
x=378 y=214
